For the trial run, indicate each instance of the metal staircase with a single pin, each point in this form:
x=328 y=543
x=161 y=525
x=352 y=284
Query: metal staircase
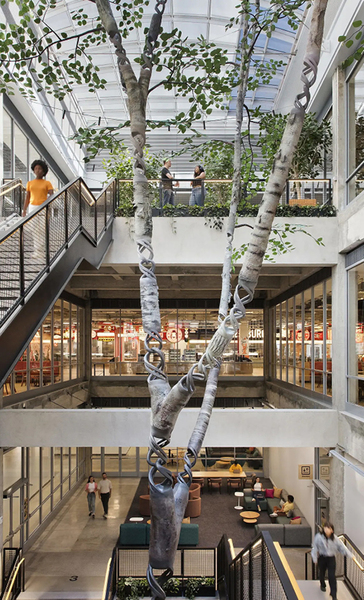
x=40 y=252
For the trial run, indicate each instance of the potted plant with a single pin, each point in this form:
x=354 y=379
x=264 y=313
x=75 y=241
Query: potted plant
x=132 y=588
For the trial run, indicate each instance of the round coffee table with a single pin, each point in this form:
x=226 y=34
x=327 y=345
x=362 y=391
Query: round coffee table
x=238 y=495
x=249 y=516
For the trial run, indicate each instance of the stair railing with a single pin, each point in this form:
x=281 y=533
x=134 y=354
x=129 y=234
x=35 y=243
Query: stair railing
x=30 y=247
x=13 y=573
x=257 y=573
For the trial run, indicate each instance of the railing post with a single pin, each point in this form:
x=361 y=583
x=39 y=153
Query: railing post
x=66 y=218
x=80 y=201
x=48 y=254
x=264 y=572
x=95 y=221
x=105 y=210
x=251 y=580
x=21 y=265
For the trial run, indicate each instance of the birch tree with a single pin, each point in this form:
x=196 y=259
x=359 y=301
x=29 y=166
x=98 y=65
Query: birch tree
x=167 y=503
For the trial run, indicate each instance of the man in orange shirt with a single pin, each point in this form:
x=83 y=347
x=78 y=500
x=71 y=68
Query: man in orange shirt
x=38 y=190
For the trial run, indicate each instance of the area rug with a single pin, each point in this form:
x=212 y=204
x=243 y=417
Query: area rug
x=218 y=516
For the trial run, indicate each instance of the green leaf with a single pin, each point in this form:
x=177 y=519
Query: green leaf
x=341 y=38
x=357 y=23
x=349 y=43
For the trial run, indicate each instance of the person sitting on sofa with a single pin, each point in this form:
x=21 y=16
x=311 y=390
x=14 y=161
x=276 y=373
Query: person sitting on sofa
x=285 y=510
x=235 y=467
x=258 y=492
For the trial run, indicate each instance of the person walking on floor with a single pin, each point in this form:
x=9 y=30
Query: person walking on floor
x=104 y=489
x=90 y=489
x=325 y=547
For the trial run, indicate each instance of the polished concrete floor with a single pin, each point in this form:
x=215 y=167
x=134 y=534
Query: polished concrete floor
x=70 y=557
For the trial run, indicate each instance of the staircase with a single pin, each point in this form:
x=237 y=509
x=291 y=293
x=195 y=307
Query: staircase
x=39 y=254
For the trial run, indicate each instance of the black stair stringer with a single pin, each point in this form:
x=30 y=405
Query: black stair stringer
x=22 y=328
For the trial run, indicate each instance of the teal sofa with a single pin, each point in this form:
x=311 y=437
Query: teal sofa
x=138 y=534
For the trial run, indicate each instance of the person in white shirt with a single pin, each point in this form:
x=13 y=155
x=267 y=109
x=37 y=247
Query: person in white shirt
x=104 y=490
x=257 y=488
x=90 y=489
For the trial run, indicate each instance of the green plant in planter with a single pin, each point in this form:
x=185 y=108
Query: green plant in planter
x=173 y=586
x=132 y=588
x=194 y=584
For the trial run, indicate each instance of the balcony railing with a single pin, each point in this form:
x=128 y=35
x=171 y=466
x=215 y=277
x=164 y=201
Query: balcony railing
x=301 y=192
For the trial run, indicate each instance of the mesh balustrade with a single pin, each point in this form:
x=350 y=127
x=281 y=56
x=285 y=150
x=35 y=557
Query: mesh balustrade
x=257 y=573
x=29 y=247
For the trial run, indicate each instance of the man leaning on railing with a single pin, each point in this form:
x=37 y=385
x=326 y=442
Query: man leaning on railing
x=167 y=183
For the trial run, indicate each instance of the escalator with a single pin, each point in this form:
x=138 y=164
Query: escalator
x=39 y=254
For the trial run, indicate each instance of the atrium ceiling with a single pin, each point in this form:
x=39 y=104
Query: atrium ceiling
x=206 y=18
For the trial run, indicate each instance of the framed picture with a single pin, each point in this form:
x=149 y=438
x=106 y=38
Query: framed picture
x=305 y=471
x=324 y=471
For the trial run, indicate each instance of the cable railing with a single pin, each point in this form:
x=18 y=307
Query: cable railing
x=13 y=573
x=217 y=193
x=352 y=571
x=30 y=247
x=256 y=573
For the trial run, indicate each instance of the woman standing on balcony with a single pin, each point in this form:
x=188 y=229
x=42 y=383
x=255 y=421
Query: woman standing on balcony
x=198 y=192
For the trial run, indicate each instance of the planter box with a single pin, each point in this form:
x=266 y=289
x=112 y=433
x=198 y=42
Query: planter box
x=302 y=201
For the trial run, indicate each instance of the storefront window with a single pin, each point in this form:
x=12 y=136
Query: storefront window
x=54 y=354
x=355 y=102
x=21 y=155
x=356 y=335
x=7 y=146
x=118 y=342
x=303 y=339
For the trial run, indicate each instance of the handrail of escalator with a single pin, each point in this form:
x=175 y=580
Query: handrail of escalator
x=31 y=245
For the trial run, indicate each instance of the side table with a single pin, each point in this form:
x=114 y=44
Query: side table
x=238 y=495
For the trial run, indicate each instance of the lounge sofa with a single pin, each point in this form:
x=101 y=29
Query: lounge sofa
x=283 y=531
x=138 y=534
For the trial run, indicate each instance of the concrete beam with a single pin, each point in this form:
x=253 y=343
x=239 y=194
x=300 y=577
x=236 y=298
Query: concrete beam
x=130 y=427
x=164 y=283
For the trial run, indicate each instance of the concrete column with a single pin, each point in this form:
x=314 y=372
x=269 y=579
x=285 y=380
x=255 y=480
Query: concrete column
x=338 y=137
x=88 y=462
x=267 y=341
x=337 y=495
x=339 y=391
x=265 y=462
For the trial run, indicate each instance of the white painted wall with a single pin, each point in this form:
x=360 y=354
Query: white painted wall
x=188 y=241
x=130 y=427
x=353 y=503
x=283 y=471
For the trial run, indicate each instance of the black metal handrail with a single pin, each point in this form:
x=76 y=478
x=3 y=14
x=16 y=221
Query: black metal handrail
x=352 y=571
x=257 y=572
x=12 y=198
x=13 y=573
x=30 y=247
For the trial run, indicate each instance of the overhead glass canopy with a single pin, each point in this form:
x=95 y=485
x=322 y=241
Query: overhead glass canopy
x=194 y=18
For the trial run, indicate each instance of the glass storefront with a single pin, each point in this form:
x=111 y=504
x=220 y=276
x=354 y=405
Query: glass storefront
x=19 y=153
x=118 y=342
x=356 y=335
x=303 y=339
x=355 y=131
x=35 y=481
x=132 y=462
x=54 y=354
